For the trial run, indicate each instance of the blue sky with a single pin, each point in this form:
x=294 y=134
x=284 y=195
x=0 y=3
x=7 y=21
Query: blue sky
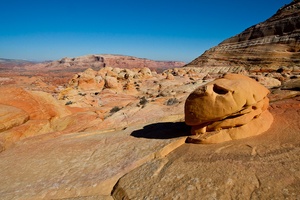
x=156 y=29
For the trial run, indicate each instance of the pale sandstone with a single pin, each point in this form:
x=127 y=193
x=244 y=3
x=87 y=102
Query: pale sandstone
x=112 y=83
x=261 y=167
x=268 y=82
x=229 y=108
x=240 y=118
x=87 y=80
x=29 y=129
x=221 y=98
x=255 y=126
x=81 y=164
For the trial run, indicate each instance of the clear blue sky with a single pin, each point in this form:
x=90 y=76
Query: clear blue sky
x=155 y=29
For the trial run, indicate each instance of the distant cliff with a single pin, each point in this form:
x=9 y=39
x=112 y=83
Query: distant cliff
x=267 y=46
x=98 y=61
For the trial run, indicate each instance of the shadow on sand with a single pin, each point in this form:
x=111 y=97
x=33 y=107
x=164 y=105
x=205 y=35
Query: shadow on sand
x=163 y=130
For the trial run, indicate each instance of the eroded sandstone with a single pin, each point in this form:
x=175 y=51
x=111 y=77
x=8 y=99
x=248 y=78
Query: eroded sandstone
x=261 y=167
x=228 y=108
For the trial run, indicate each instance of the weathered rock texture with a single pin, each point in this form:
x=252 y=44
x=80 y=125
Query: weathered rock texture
x=81 y=134
x=232 y=107
x=267 y=46
x=261 y=167
x=81 y=164
x=110 y=98
x=104 y=124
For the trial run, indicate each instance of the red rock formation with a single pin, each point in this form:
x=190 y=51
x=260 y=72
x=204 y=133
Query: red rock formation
x=99 y=61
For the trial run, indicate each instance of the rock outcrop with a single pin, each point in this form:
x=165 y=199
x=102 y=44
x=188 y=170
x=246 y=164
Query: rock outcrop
x=27 y=113
x=232 y=107
x=110 y=98
x=266 y=47
x=110 y=132
x=261 y=167
x=82 y=165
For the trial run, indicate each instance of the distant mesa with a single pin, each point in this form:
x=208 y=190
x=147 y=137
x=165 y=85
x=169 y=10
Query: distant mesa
x=264 y=47
x=98 y=61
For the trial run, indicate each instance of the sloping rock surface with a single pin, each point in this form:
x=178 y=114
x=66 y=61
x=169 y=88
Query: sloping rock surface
x=82 y=164
x=267 y=46
x=261 y=167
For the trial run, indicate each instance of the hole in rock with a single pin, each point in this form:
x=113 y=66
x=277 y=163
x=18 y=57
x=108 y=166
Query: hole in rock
x=220 y=90
x=234 y=116
x=256 y=116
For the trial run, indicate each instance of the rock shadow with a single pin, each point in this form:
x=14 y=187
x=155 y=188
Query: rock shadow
x=163 y=130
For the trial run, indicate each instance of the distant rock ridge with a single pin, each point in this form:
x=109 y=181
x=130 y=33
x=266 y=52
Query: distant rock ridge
x=266 y=46
x=98 y=61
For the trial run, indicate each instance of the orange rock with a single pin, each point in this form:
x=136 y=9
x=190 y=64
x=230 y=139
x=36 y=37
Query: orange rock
x=231 y=107
x=254 y=127
x=38 y=105
x=87 y=80
x=11 y=117
x=221 y=98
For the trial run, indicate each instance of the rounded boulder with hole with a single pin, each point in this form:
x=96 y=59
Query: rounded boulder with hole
x=230 y=102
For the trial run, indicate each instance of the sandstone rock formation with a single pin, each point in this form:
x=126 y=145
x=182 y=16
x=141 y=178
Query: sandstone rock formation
x=98 y=131
x=79 y=164
x=228 y=108
x=261 y=167
x=27 y=113
x=90 y=134
x=110 y=98
x=265 y=47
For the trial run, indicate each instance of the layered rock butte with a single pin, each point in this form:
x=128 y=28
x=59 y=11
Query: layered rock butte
x=119 y=133
x=268 y=46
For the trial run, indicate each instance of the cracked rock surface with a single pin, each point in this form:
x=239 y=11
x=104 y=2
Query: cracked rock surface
x=82 y=164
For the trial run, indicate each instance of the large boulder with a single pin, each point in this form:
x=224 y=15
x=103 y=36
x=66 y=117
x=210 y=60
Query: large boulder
x=231 y=107
x=87 y=80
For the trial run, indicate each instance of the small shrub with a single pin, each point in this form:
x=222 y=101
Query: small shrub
x=172 y=101
x=69 y=103
x=143 y=101
x=81 y=94
x=115 y=109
